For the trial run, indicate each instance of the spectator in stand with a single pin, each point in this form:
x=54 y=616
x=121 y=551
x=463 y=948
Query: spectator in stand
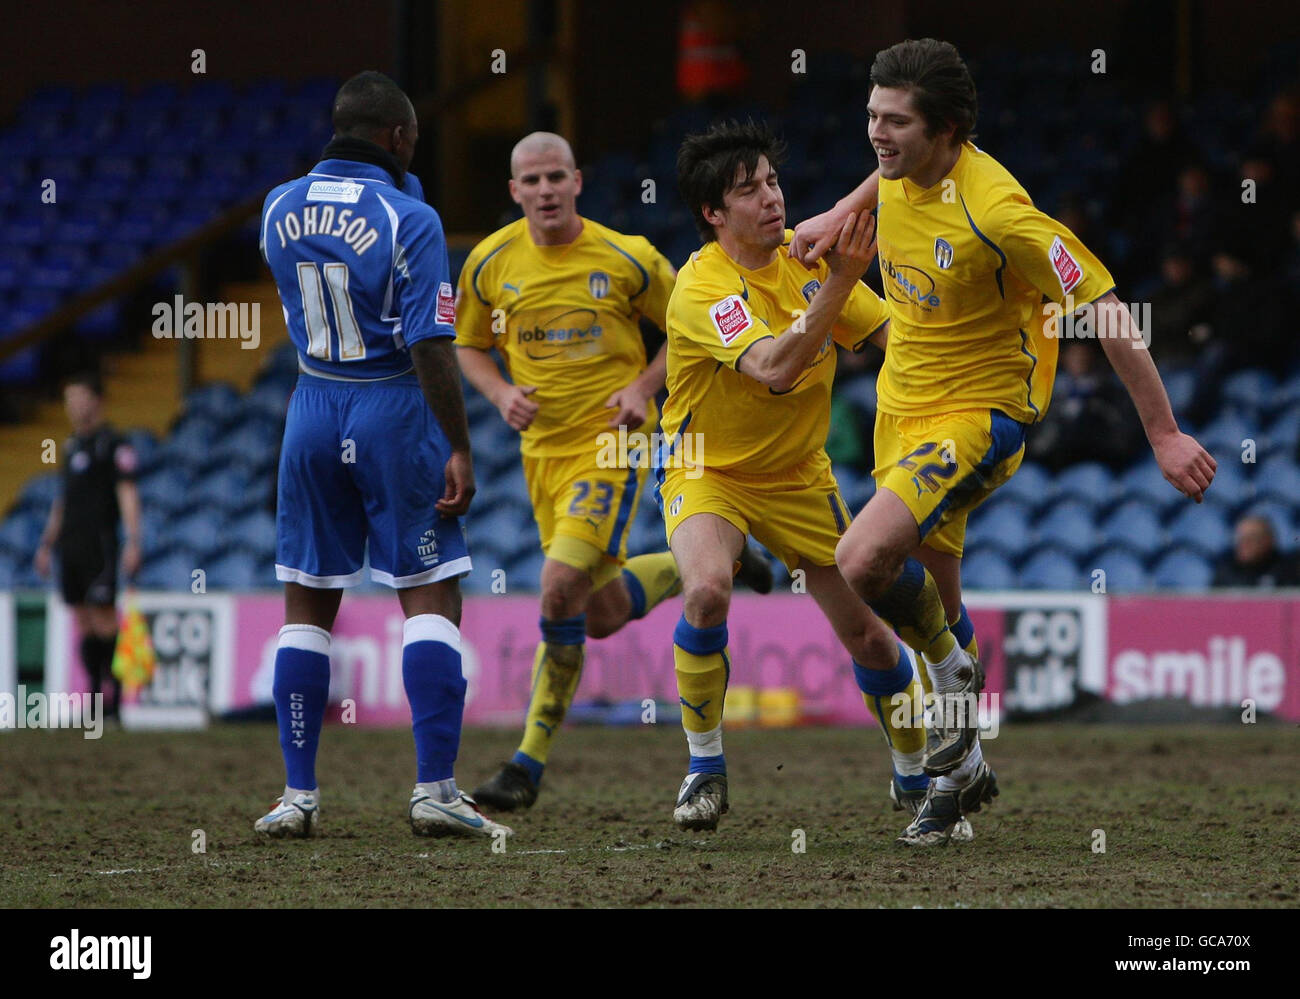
x=1180 y=310
x=1255 y=559
x=1091 y=417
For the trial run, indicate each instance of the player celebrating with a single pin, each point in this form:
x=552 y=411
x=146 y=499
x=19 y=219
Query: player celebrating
x=558 y=296
x=751 y=362
x=376 y=446
x=967 y=261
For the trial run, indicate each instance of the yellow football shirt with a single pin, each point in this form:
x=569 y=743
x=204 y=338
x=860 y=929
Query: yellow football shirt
x=567 y=323
x=965 y=266
x=718 y=310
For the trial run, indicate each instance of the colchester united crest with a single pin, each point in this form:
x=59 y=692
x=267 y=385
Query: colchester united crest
x=943 y=254
x=598 y=284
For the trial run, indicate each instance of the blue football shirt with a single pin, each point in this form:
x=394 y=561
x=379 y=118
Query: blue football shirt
x=361 y=267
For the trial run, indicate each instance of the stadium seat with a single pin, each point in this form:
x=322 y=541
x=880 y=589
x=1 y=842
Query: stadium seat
x=1006 y=527
x=524 y=573
x=1278 y=479
x=986 y=569
x=1125 y=572
x=172 y=571
x=254 y=532
x=1145 y=482
x=1031 y=484
x=1252 y=391
x=1052 y=569
x=1069 y=525
x=238 y=571
x=1089 y=482
x=1183 y=569
x=1203 y=528
x=1134 y=528
x=1224 y=435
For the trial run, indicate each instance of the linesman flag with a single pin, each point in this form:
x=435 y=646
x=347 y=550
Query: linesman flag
x=133 y=659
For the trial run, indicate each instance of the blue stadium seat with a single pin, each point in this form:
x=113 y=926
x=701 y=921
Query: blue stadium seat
x=1125 y=572
x=1090 y=482
x=254 y=532
x=1284 y=432
x=524 y=573
x=1203 y=528
x=1145 y=482
x=1183 y=569
x=166 y=487
x=1134 y=527
x=1278 y=479
x=202 y=533
x=1070 y=525
x=1223 y=436
x=1006 y=527
x=1052 y=569
x=1031 y=484
x=40 y=491
x=238 y=571
x=986 y=569
x=219 y=491
x=1250 y=391
x=171 y=571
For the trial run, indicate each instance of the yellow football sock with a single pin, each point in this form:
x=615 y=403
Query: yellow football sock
x=703 y=668
x=651 y=579
x=557 y=668
x=913 y=608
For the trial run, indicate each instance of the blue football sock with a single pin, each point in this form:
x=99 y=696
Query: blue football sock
x=301 y=690
x=436 y=689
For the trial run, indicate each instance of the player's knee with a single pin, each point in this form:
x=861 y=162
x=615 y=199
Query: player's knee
x=865 y=568
x=705 y=602
x=564 y=591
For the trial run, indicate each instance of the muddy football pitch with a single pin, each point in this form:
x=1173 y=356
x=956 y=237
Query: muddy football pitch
x=1088 y=817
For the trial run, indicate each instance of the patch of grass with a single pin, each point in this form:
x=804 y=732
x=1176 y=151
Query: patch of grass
x=1193 y=817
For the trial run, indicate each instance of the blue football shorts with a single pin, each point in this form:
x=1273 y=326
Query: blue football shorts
x=364 y=462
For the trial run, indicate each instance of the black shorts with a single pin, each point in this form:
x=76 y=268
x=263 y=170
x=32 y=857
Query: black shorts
x=88 y=572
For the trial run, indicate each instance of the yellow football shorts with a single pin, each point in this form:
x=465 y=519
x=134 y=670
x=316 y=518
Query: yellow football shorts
x=794 y=514
x=944 y=466
x=574 y=498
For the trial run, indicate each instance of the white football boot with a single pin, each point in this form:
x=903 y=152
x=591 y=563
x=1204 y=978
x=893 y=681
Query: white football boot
x=461 y=817
x=295 y=816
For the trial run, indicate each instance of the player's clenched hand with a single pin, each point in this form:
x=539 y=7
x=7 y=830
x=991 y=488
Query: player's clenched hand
x=815 y=236
x=516 y=408
x=1186 y=464
x=855 y=247
x=631 y=405
x=459 y=474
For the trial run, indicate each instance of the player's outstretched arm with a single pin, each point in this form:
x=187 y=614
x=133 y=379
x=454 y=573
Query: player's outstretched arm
x=1181 y=458
x=633 y=399
x=815 y=236
x=779 y=362
x=435 y=366
x=511 y=401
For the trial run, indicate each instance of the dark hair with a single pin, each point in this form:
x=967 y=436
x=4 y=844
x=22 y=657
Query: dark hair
x=707 y=163
x=941 y=85
x=368 y=103
x=86 y=379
